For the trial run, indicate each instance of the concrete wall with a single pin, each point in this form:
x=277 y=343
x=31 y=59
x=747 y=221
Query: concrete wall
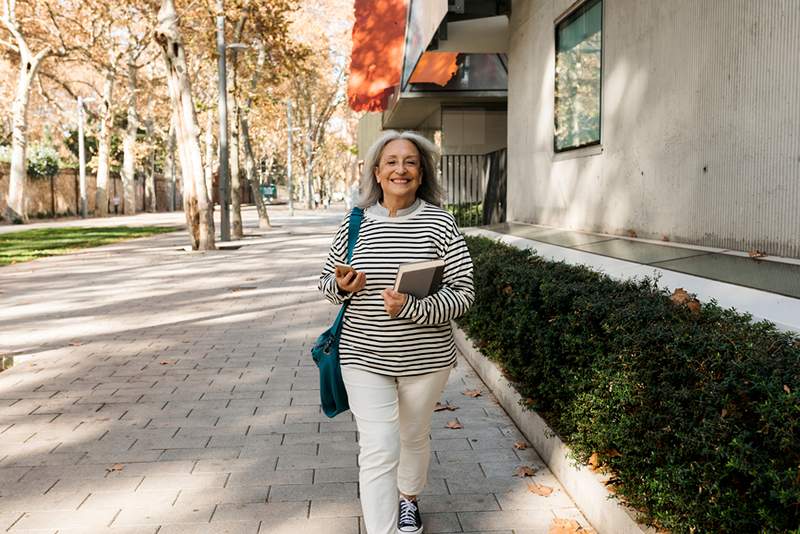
x=473 y=130
x=700 y=115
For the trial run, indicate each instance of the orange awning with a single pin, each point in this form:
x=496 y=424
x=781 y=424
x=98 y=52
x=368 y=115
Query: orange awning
x=435 y=67
x=376 y=61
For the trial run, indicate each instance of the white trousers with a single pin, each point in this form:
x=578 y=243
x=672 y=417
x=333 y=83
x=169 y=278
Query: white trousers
x=393 y=416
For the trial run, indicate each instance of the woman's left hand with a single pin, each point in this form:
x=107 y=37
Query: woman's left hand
x=393 y=301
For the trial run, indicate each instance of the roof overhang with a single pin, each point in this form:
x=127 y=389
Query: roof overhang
x=411 y=110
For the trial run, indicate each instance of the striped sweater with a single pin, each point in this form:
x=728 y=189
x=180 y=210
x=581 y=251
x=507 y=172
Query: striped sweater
x=419 y=340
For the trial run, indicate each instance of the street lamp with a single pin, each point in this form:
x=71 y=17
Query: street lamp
x=82 y=155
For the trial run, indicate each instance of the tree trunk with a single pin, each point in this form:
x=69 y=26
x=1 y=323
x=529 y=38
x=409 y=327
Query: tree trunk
x=129 y=144
x=250 y=172
x=103 y=146
x=208 y=169
x=247 y=145
x=150 y=173
x=199 y=217
x=169 y=167
x=310 y=161
x=16 y=210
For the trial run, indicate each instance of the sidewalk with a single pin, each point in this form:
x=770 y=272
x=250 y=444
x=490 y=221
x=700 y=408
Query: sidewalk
x=172 y=392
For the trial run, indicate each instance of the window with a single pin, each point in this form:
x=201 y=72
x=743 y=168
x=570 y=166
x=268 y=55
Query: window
x=578 y=77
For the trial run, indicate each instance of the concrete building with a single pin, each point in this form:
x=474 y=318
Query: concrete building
x=674 y=120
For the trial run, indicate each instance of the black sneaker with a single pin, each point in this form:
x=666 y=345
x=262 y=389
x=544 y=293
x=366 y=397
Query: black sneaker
x=409 y=521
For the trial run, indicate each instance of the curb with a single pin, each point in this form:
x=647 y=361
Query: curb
x=585 y=487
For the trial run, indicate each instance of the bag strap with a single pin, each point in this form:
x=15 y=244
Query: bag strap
x=352 y=231
x=352 y=236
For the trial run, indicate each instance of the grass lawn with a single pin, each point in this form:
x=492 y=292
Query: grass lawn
x=26 y=245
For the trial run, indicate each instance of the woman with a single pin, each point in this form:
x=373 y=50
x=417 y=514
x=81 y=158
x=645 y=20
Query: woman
x=396 y=350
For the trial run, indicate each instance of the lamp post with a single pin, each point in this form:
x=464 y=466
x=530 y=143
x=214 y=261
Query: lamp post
x=224 y=215
x=82 y=156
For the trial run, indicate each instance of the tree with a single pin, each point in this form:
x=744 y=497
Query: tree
x=38 y=30
x=196 y=203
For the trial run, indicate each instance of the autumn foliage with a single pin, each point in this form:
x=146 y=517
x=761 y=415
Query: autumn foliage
x=694 y=409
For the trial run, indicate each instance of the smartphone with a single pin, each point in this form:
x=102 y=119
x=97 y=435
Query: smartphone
x=342 y=269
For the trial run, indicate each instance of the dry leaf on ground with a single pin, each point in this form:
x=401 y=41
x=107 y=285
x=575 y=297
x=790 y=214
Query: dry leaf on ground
x=472 y=393
x=444 y=407
x=167 y=362
x=539 y=489
x=520 y=445
x=115 y=467
x=454 y=425
x=568 y=526
x=525 y=471
x=632 y=233
x=755 y=253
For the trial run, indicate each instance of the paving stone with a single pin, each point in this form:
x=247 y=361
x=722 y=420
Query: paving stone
x=304 y=492
x=340 y=525
x=335 y=508
x=157 y=513
x=88 y=520
x=270 y=513
x=483 y=521
x=217 y=527
x=116 y=500
x=261 y=478
x=193 y=481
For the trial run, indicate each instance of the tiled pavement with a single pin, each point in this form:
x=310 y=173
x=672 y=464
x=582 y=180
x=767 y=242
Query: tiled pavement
x=172 y=392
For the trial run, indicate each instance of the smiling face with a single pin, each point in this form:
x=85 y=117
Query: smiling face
x=399 y=172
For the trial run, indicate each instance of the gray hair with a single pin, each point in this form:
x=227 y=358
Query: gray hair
x=430 y=191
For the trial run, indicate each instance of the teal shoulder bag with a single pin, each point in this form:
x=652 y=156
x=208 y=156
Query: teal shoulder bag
x=325 y=351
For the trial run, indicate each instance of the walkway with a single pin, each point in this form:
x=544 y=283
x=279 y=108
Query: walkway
x=172 y=392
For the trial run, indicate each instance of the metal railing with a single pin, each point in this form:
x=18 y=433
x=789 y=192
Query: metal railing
x=475 y=187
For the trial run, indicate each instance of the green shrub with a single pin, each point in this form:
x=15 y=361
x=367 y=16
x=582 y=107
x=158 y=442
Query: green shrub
x=43 y=160
x=696 y=414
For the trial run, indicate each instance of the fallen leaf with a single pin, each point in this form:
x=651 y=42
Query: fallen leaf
x=115 y=467
x=446 y=406
x=694 y=306
x=680 y=296
x=472 y=393
x=454 y=425
x=166 y=362
x=538 y=489
x=520 y=445
x=567 y=526
x=665 y=238
x=525 y=471
x=632 y=233
x=594 y=461
x=528 y=402
x=787 y=389
x=755 y=253
x=613 y=453
x=508 y=290
x=75 y=343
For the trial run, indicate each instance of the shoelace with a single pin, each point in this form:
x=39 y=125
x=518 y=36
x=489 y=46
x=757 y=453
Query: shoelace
x=407 y=511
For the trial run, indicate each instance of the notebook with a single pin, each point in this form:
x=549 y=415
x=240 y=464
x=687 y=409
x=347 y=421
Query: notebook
x=420 y=278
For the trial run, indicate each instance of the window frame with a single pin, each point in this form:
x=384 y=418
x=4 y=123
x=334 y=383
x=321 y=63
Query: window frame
x=569 y=16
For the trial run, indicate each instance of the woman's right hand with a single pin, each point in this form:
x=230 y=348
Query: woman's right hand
x=351 y=282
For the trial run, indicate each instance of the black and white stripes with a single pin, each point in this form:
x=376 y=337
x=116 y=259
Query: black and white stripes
x=419 y=340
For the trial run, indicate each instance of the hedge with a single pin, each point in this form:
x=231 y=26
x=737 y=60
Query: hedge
x=695 y=412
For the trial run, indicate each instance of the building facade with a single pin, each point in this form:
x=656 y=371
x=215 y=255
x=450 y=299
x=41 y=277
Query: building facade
x=676 y=120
